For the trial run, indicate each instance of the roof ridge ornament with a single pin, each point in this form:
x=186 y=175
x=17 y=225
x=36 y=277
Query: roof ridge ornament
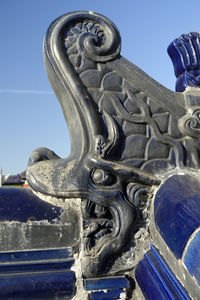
x=128 y=134
x=185 y=55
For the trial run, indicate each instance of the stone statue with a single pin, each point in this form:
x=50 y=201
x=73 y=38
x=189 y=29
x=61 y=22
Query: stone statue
x=132 y=140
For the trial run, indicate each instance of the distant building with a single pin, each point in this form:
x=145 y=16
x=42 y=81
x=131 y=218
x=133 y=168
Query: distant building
x=13 y=180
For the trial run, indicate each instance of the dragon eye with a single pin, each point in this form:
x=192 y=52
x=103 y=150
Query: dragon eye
x=102 y=177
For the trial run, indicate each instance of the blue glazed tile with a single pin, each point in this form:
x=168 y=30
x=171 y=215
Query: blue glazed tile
x=177 y=211
x=40 y=274
x=147 y=283
x=36 y=266
x=184 y=53
x=167 y=275
x=156 y=280
x=192 y=257
x=106 y=283
x=24 y=206
x=58 y=285
x=110 y=295
x=35 y=255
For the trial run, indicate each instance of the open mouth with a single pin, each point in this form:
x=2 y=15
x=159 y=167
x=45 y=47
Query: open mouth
x=98 y=225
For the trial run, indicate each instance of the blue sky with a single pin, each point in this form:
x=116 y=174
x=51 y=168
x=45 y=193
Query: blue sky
x=30 y=115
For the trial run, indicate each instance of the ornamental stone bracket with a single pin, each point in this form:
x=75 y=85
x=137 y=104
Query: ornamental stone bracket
x=133 y=170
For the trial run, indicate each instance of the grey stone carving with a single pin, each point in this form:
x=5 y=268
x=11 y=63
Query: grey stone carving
x=125 y=128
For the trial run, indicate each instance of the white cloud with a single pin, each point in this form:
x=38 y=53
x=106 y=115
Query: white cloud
x=7 y=91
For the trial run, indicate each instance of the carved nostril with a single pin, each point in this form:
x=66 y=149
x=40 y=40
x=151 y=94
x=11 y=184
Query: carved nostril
x=41 y=154
x=35 y=156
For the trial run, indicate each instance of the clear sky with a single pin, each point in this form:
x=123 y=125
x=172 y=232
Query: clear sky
x=30 y=115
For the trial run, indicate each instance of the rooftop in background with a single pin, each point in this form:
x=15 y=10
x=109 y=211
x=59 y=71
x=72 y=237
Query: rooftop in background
x=18 y=180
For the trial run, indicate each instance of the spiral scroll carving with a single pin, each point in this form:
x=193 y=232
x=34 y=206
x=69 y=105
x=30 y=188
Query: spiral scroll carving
x=190 y=124
x=93 y=37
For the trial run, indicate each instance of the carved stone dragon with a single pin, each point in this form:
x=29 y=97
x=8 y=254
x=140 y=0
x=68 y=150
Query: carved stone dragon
x=126 y=131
